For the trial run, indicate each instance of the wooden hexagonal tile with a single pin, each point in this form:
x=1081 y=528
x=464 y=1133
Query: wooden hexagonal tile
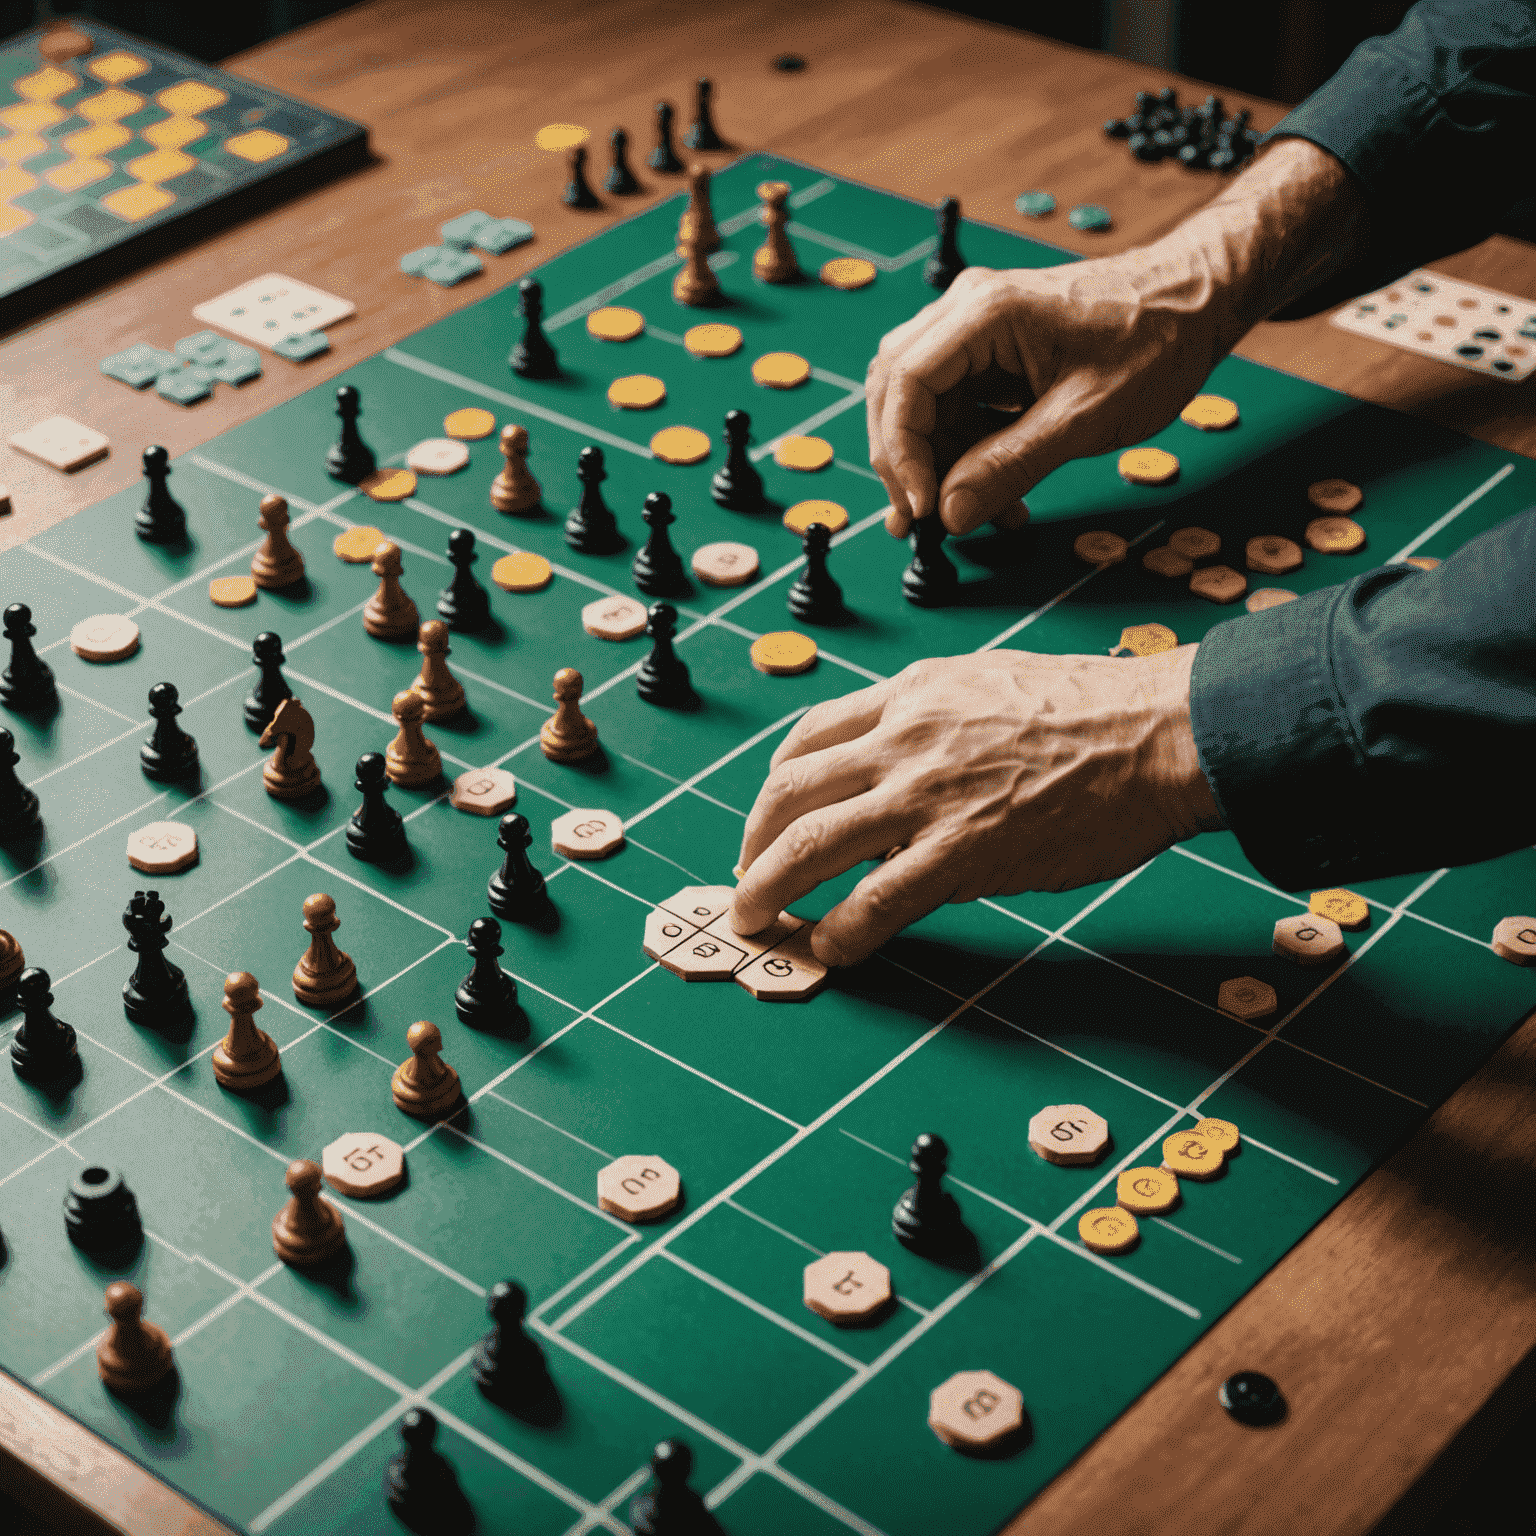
x=586 y=834
x=1193 y=1155
x=1147 y=1191
x=1069 y=1134
x=1514 y=939
x=1307 y=939
x=847 y=1287
x=758 y=943
x=789 y=974
x=1108 y=1229
x=363 y=1164
x=1218 y=584
x=976 y=1411
x=1195 y=543
x=700 y=904
x=1247 y=998
x=639 y=1188
x=703 y=957
x=664 y=932
x=162 y=848
x=1346 y=908
x=1271 y=555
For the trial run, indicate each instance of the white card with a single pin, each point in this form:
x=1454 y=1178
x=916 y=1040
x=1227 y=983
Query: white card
x=63 y=443
x=1456 y=322
x=267 y=309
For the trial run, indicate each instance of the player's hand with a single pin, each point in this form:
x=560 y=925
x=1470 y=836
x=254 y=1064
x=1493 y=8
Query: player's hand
x=991 y=774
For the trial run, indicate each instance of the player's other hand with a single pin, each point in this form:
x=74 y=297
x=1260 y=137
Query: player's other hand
x=991 y=774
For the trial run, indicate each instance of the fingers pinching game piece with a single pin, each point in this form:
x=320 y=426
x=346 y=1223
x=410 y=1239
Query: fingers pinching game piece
x=1147 y=1191
x=586 y=834
x=1309 y=940
x=1270 y=555
x=424 y=1085
x=135 y=1356
x=1190 y=1155
x=363 y=1164
x=1514 y=939
x=104 y=637
x=247 y=1057
x=1246 y=998
x=309 y=1229
x=325 y=974
x=976 y=1411
x=1100 y=547
x=1349 y=911
x=1218 y=584
x=484 y=792
x=1108 y=1230
x=163 y=848
x=847 y=1288
x=1069 y=1134
x=636 y=1188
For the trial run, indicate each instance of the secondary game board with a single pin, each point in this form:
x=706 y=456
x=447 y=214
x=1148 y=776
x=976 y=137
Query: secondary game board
x=130 y=145
x=788 y=1124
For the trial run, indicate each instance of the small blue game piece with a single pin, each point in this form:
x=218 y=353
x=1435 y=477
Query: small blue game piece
x=241 y=364
x=1089 y=216
x=205 y=347
x=1035 y=204
x=414 y=263
x=502 y=234
x=304 y=345
x=186 y=386
x=452 y=266
x=139 y=364
x=461 y=232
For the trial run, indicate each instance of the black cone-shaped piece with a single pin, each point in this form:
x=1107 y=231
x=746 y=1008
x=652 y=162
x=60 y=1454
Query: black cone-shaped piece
x=931 y=580
x=420 y=1485
x=927 y=1217
x=463 y=604
x=487 y=997
x=815 y=597
x=271 y=687
x=161 y=519
x=534 y=356
x=376 y=830
x=169 y=753
x=658 y=568
x=737 y=486
x=157 y=990
x=19 y=817
x=350 y=459
x=669 y=1507
x=100 y=1213
x=27 y=683
x=508 y=1366
x=663 y=676
x=701 y=131
x=946 y=263
x=43 y=1050
x=620 y=180
x=516 y=890
x=577 y=193
x=591 y=529
x=664 y=158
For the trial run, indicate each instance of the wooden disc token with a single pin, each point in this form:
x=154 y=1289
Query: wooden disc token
x=848 y=272
x=804 y=513
x=1071 y=1135
x=976 y=1411
x=725 y=564
x=803 y=453
x=613 y=322
x=1145 y=640
x=1164 y=561
x=1218 y=584
x=846 y=1287
x=557 y=136
x=586 y=834
x=1223 y=1132
x=1348 y=910
x=1247 y=998
x=1148 y=466
x=1270 y=555
x=1309 y=940
x=438 y=456
x=471 y=421
x=637 y=392
x=680 y=445
x=1100 y=547
x=1337 y=496
x=363 y=1164
x=484 y=792
x=1108 y=1229
x=163 y=848
x=1424 y=562
x=712 y=340
x=1189 y=1155
x=232 y=591
x=614 y=618
x=522 y=572
x=1514 y=939
x=1147 y=1191
x=1195 y=543
x=1211 y=413
x=104 y=637
x=783 y=653
x=356 y=545
x=780 y=370
x=1268 y=597
x=388 y=484
x=638 y=1188
x=1335 y=535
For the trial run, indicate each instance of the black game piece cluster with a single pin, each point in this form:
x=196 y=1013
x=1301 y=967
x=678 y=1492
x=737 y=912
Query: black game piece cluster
x=100 y=1213
x=376 y=830
x=737 y=486
x=487 y=997
x=670 y=1507
x=19 y=817
x=701 y=132
x=815 y=597
x=946 y=263
x=463 y=604
x=577 y=193
x=157 y=990
x=591 y=529
x=350 y=459
x=271 y=687
x=620 y=180
x=663 y=676
x=161 y=519
x=931 y=580
x=516 y=890
x=1251 y=1398
x=1199 y=137
x=43 y=1050
x=927 y=1217
x=420 y=1484
x=534 y=356
x=664 y=158
x=658 y=568
x=169 y=753
x=508 y=1366
x=27 y=683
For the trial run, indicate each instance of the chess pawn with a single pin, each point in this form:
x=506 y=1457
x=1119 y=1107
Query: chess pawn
x=946 y=263
x=271 y=687
x=161 y=520
x=424 y=1085
x=591 y=528
x=463 y=604
x=441 y=693
x=698 y=220
x=927 y=1217
x=657 y=568
x=277 y=563
x=515 y=490
x=349 y=458
x=487 y=996
x=664 y=158
x=12 y=960
x=410 y=759
x=516 y=891
x=246 y=1057
x=170 y=752
x=27 y=683
x=774 y=260
x=670 y=1504
x=695 y=284
x=325 y=974
x=534 y=356
x=577 y=193
x=663 y=675
x=308 y=1229
x=568 y=736
x=136 y=1354
x=389 y=614
x=737 y=486
x=931 y=579
x=701 y=131
x=620 y=180
x=419 y=1484
x=508 y=1366
x=19 y=817
x=44 y=1049
x=376 y=830
x=291 y=772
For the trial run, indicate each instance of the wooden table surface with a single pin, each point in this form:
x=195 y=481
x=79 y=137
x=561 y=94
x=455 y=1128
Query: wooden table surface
x=1396 y=1328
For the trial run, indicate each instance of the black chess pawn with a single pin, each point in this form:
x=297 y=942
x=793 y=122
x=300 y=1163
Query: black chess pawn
x=946 y=263
x=577 y=193
x=931 y=580
x=927 y=1217
x=43 y=1050
x=737 y=486
x=19 y=817
x=157 y=990
x=669 y=1507
x=516 y=890
x=620 y=180
x=658 y=568
x=350 y=459
x=508 y=1366
x=591 y=529
x=376 y=830
x=271 y=687
x=463 y=604
x=815 y=597
x=701 y=131
x=161 y=519
x=663 y=676
x=170 y=752
x=534 y=356
x=487 y=997
x=27 y=683
x=420 y=1485
x=664 y=158
x=100 y=1213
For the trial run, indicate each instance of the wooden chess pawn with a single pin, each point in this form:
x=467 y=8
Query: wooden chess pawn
x=308 y=1230
x=424 y=1085
x=698 y=217
x=277 y=563
x=568 y=736
x=247 y=1057
x=325 y=975
x=695 y=283
x=12 y=961
x=514 y=489
x=439 y=690
x=389 y=614
x=291 y=772
x=774 y=260
x=411 y=760
x=136 y=1354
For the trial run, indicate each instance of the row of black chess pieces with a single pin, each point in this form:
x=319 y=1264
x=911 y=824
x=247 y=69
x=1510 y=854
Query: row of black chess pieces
x=1200 y=137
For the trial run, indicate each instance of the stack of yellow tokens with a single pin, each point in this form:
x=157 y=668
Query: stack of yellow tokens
x=783 y=653
x=1201 y=1153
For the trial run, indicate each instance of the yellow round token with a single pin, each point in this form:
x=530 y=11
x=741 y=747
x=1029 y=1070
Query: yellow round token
x=637 y=392
x=848 y=272
x=1145 y=640
x=1268 y=597
x=804 y=513
x=783 y=653
x=1335 y=535
x=1222 y=1132
x=780 y=370
x=680 y=445
x=1100 y=547
x=1424 y=562
x=1189 y=1155
x=389 y=484
x=1337 y=496
x=803 y=453
x=522 y=573
x=1211 y=413
x=561 y=136
x=232 y=591
x=1346 y=908
x=469 y=423
x=1148 y=466
x=1108 y=1229
x=1147 y=1191
x=712 y=340
x=356 y=545
x=615 y=323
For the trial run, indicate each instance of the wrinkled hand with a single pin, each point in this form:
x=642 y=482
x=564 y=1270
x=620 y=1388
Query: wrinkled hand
x=991 y=774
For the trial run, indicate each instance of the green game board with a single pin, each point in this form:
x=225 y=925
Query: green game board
x=789 y=1124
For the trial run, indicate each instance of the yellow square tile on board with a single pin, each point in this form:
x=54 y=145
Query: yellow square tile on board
x=191 y=97
x=138 y=201
x=28 y=116
x=74 y=174
x=45 y=84
x=162 y=165
x=257 y=145
x=13 y=218
x=14 y=181
x=107 y=106
x=19 y=147
x=97 y=140
x=114 y=68
x=173 y=132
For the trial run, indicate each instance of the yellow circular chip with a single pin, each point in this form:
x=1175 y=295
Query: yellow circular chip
x=783 y=653
x=1148 y=466
x=389 y=484
x=561 y=136
x=470 y=422
x=712 y=340
x=780 y=370
x=1337 y=496
x=637 y=392
x=804 y=513
x=1100 y=547
x=1108 y=1229
x=1222 y=1132
x=615 y=323
x=232 y=591
x=1211 y=413
x=848 y=272
x=1189 y=1155
x=803 y=453
x=1335 y=535
x=356 y=545
x=1346 y=908
x=522 y=573
x=1147 y=1191
x=680 y=445
x=1145 y=640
